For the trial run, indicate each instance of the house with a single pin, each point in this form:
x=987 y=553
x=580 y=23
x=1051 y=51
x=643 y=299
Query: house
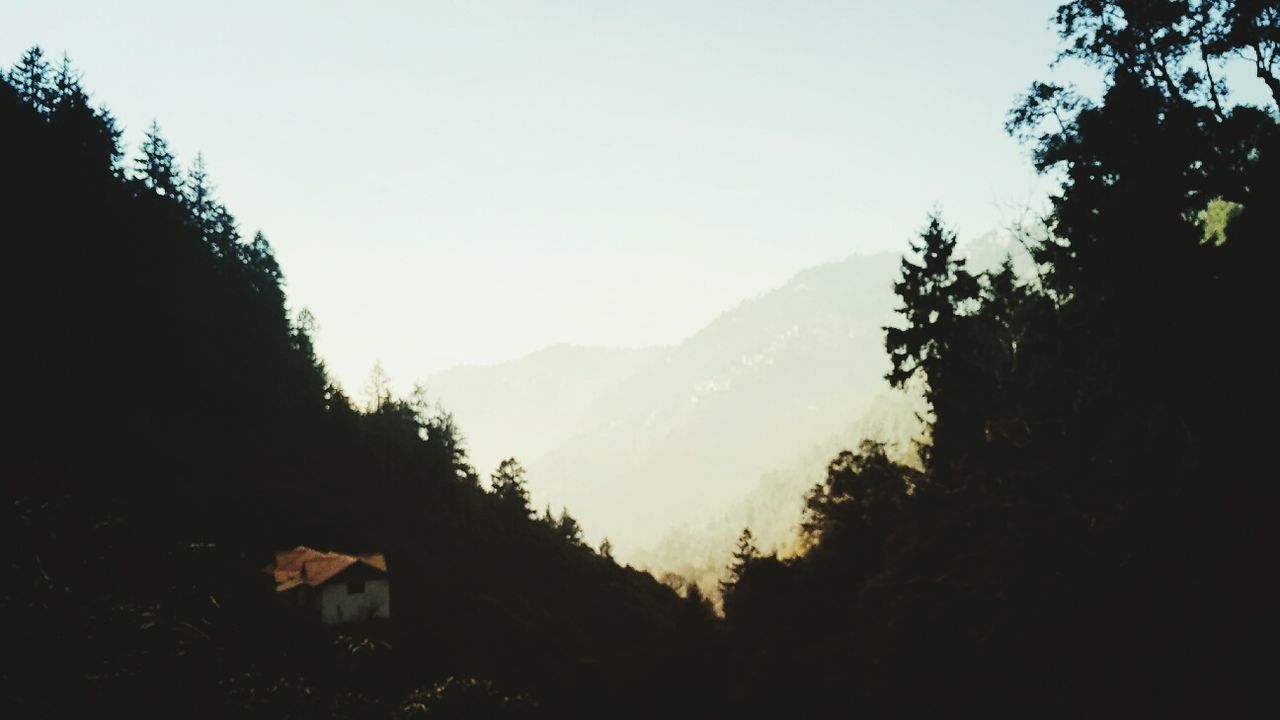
x=334 y=587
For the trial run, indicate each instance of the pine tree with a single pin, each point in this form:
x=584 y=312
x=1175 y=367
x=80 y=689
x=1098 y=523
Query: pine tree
x=31 y=78
x=198 y=197
x=507 y=484
x=92 y=130
x=743 y=556
x=377 y=387
x=224 y=233
x=156 y=168
x=933 y=292
x=67 y=94
x=259 y=261
x=569 y=528
x=936 y=342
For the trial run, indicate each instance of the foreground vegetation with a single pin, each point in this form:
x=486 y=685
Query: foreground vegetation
x=1088 y=530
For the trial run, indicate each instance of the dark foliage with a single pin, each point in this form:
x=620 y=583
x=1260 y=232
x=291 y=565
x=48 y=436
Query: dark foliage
x=1089 y=532
x=173 y=426
x=1086 y=532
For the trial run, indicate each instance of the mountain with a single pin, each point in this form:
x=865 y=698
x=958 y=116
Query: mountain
x=637 y=442
x=176 y=428
x=528 y=407
x=774 y=508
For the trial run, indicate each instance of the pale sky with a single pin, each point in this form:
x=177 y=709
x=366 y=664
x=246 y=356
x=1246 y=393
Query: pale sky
x=469 y=181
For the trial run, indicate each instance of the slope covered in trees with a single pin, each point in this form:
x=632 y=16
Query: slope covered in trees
x=1087 y=531
x=1091 y=528
x=174 y=427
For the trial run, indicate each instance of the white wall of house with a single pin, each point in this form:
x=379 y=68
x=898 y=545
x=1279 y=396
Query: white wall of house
x=338 y=604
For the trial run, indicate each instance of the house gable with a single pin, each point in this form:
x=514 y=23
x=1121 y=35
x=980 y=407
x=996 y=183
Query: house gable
x=339 y=587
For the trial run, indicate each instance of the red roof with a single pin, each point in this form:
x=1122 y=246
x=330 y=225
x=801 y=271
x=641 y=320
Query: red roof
x=305 y=566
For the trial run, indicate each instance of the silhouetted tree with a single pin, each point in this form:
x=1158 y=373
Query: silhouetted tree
x=156 y=168
x=1175 y=45
x=1245 y=28
x=91 y=131
x=30 y=77
x=862 y=494
x=568 y=528
x=264 y=274
x=933 y=293
x=198 y=197
x=507 y=485
x=377 y=387
x=744 y=554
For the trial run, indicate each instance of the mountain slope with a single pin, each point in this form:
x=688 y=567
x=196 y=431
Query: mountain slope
x=774 y=508
x=675 y=435
x=176 y=428
x=527 y=407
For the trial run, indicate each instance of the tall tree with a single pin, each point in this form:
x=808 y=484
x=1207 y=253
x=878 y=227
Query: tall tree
x=1176 y=47
x=67 y=93
x=198 y=197
x=507 y=484
x=265 y=275
x=92 y=131
x=156 y=168
x=1248 y=29
x=862 y=491
x=933 y=291
x=31 y=77
x=568 y=528
x=744 y=555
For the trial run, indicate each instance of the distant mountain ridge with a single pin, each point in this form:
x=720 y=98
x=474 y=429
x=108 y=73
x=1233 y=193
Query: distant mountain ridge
x=774 y=508
x=527 y=407
x=636 y=442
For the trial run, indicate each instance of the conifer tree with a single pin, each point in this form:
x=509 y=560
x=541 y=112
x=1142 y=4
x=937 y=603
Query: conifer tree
x=198 y=197
x=507 y=484
x=90 y=129
x=265 y=276
x=377 y=387
x=744 y=555
x=932 y=293
x=31 y=78
x=568 y=528
x=934 y=342
x=156 y=168
x=223 y=233
x=66 y=93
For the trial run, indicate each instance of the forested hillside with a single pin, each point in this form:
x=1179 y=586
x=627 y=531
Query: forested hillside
x=1090 y=532
x=173 y=427
x=764 y=395
x=1087 y=530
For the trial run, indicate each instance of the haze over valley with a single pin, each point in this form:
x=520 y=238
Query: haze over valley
x=600 y=359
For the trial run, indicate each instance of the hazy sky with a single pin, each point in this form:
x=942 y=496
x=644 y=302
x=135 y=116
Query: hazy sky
x=457 y=182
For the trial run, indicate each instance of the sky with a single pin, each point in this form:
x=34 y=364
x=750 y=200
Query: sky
x=466 y=182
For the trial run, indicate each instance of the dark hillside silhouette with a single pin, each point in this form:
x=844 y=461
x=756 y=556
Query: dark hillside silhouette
x=174 y=427
x=1088 y=531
